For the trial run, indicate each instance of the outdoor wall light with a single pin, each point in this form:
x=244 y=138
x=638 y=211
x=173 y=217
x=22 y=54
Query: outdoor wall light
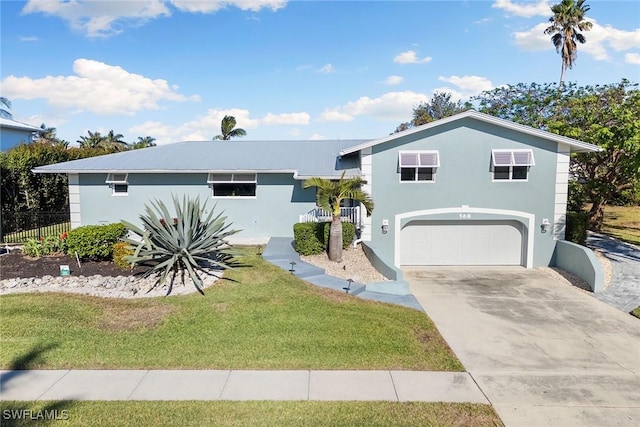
x=385 y=226
x=545 y=226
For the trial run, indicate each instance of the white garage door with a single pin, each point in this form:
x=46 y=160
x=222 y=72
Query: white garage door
x=462 y=243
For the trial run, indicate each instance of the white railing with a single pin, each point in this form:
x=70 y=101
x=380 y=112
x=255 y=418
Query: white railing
x=320 y=215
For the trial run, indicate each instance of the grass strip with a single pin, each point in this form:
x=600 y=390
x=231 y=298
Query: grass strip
x=254 y=413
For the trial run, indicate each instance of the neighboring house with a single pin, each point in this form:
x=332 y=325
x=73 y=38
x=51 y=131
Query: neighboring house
x=470 y=189
x=13 y=133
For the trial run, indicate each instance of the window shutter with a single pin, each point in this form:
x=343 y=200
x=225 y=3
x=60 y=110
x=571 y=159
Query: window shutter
x=408 y=160
x=523 y=158
x=116 y=178
x=429 y=159
x=501 y=158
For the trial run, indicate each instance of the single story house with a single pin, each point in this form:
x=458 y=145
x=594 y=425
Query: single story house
x=13 y=133
x=469 y=189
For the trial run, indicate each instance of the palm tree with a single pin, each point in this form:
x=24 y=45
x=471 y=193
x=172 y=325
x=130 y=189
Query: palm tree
x=114 y=140
x=566 y=23
x=229 y=130
x=144 y=142
x=5 y=108
x=329 y=196
x=94 y=140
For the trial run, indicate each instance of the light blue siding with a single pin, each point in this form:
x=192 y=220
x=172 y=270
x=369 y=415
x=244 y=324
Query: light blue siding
x=279 y=201
x=464 y=178
x=10 y=137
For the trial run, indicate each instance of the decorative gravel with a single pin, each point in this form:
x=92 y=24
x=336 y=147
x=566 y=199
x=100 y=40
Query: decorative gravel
x=355 y=265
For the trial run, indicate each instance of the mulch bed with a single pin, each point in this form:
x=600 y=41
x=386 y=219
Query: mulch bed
x=15 y=264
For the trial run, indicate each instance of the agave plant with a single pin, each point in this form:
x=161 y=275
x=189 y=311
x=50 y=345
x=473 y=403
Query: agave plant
x=182 y=243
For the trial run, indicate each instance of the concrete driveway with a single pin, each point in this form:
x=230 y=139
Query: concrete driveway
x=543 y=352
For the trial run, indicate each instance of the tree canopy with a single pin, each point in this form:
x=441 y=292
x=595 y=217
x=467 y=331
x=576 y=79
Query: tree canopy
x=439 y=106
x=604 y=115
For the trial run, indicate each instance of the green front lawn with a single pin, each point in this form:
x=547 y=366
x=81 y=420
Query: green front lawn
x=260 y=318
x=224 y=413
x=622 y=222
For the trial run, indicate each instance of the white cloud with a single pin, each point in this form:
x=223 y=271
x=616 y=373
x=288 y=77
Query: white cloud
x=99 y=18
x=286 y=119
x=316 y=137
x=335 y=115
x=599 y=40
x=410 y=57
x=28 y=38
x=204 y=128
x=327 y=69
x=107 y=18
x=392 y=106
x=96 y=87
x=541 y=8
x=467 y=85
x=304 y=67
x=393 y=80
x=632 y=58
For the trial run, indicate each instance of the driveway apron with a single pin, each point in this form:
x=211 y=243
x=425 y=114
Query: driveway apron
x=543 y=352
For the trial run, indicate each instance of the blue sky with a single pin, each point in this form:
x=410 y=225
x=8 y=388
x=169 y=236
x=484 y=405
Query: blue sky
x=172 y=69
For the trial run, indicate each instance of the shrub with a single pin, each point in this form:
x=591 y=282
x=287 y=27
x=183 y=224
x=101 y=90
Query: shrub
x=184 y=243
x=576 y=230
x=312 y=238
x=121 y=250
x=308 y=237
x=46 y=246
x=95 y=242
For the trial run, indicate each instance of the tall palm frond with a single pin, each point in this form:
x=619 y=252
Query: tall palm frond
x=566 y=23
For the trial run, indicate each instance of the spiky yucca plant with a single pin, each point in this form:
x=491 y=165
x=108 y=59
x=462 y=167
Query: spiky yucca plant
x=182 y=243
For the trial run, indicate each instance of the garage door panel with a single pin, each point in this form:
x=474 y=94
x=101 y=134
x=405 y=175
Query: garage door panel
x=461 y=243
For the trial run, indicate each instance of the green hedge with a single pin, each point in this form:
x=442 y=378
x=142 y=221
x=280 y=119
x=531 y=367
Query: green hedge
x=577 y=224
x=313 y=237
x=95 y=241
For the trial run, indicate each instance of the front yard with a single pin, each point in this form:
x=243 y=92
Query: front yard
x=261 y=317
x=622 y=222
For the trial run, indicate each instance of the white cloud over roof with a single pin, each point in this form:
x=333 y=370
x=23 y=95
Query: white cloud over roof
x=96 y=87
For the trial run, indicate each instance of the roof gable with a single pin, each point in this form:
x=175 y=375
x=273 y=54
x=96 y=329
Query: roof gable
x=574 y=144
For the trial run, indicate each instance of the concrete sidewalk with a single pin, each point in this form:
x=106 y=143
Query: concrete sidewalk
x=396 y=386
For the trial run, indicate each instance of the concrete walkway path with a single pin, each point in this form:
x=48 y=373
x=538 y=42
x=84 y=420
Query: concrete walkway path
x=396 y=386
x=279 y=251
x=624 y=290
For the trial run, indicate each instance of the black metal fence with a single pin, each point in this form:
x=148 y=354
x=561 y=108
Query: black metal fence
x=17 y=227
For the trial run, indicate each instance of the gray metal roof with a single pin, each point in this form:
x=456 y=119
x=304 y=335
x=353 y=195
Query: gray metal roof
x=9 y=123
x=574 y=144
x=302 y=158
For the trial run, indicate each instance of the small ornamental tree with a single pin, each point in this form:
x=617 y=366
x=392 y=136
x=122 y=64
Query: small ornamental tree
x=181 y=243
x=329 y=196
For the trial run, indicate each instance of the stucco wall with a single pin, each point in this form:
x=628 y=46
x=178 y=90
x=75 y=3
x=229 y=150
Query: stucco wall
x=465 y=179
x=10 y=137
x=279 y=201
x=580 y=261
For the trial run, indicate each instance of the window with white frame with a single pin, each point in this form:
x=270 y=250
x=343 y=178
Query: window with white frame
x=511 y=165
x=232 y=184
x=418 y=166
x=119 y=183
